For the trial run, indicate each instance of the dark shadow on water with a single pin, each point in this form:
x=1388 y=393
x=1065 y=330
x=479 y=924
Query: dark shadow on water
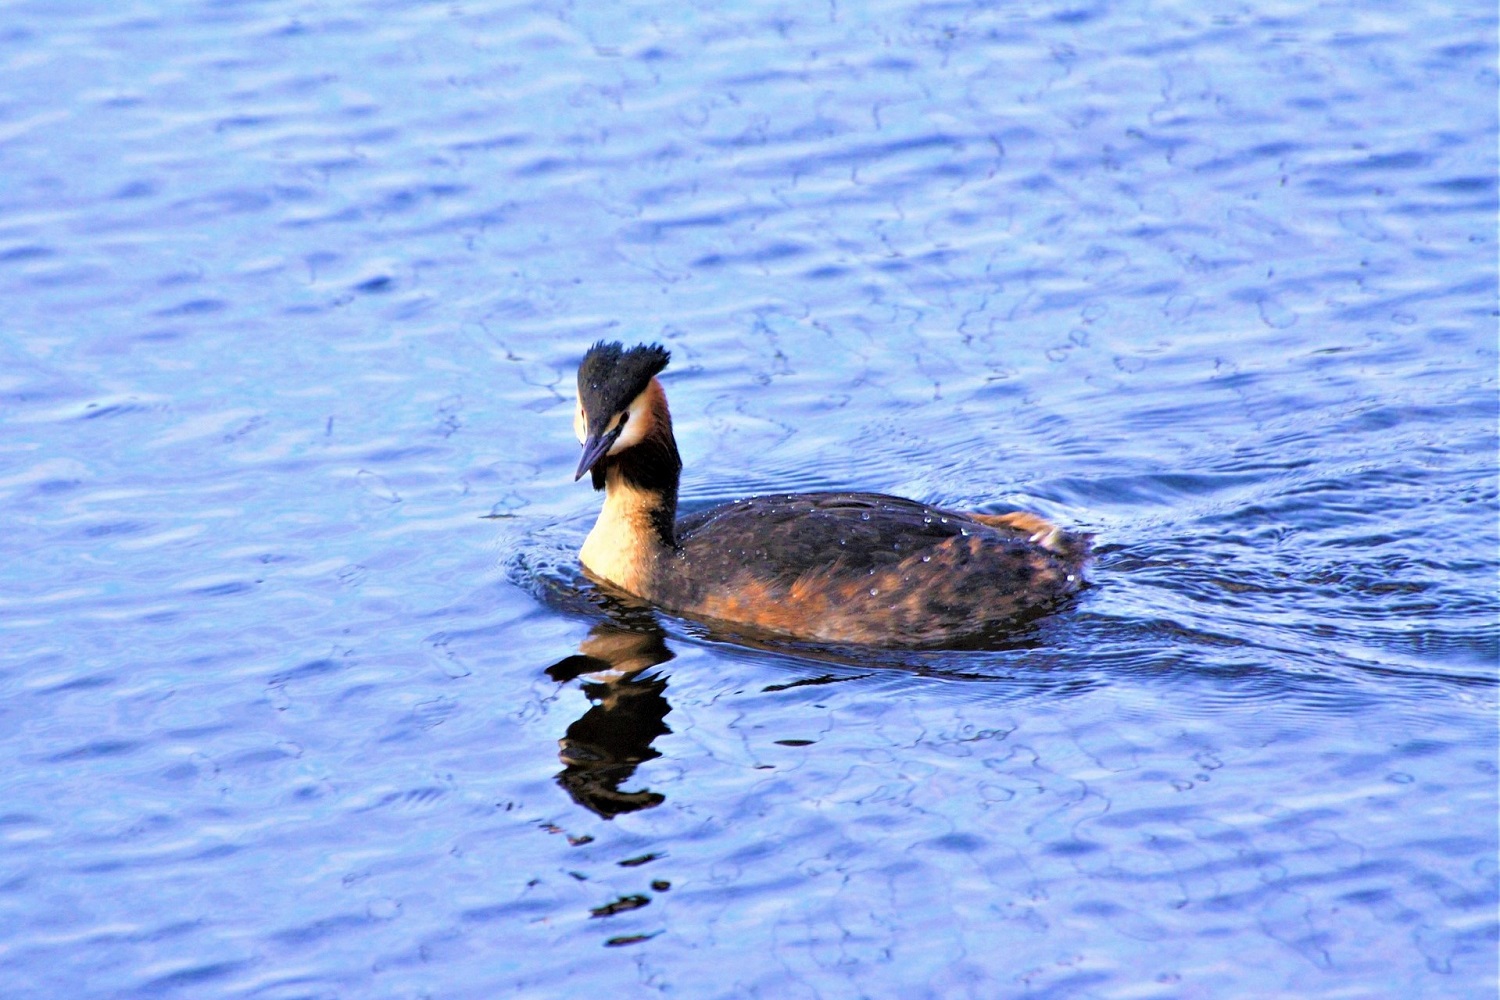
x=628 y=708
x=615 y=667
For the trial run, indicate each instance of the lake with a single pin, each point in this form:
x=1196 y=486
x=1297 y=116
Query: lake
x=303 y=695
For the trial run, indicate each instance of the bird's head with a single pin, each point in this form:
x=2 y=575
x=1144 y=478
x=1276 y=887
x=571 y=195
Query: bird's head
x=619 y=400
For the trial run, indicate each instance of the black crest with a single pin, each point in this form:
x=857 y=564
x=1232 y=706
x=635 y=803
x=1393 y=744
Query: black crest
x=610 y=376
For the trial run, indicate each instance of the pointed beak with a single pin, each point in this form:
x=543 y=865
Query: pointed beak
x=595 y=448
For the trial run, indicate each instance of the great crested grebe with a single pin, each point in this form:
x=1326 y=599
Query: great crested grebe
x=832 y=567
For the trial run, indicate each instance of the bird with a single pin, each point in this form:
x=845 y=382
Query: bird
x=856 y=568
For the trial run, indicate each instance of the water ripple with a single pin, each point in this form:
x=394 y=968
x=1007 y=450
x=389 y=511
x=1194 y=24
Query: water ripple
x=306 y=694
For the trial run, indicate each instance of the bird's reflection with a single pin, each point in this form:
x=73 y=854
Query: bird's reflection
x=628 y=707
x=602 y=749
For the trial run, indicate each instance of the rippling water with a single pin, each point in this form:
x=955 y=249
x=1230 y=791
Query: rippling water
x=299 y=698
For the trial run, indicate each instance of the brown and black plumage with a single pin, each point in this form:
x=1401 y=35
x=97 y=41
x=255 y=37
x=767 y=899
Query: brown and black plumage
x=835 y=567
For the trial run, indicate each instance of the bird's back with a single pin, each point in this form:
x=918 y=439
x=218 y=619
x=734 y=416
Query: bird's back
x=867 y=568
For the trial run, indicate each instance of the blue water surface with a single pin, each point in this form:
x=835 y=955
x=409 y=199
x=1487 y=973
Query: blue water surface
x=301 y=696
